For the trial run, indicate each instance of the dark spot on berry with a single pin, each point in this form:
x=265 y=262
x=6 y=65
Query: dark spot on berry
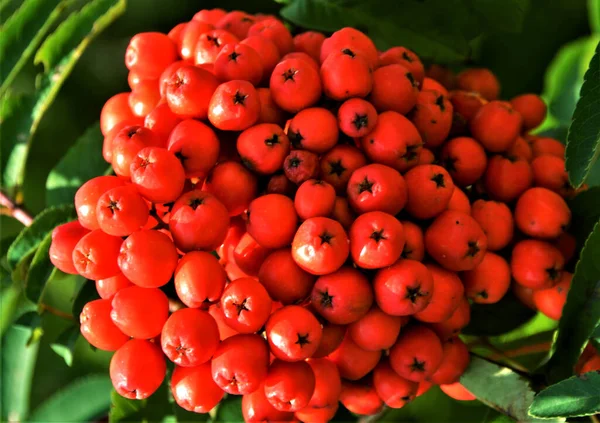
x=349 y=52
x=325 y=299
x=483 y=294
x=132 y=131
x=294 y=162
x=553 y=273
x=317 y=182
x=433 y=121
x=336 y=168
x=412 y=79
x=360 y=121
x=239 y=98
x=302 y=340
x=195 y=202
x=449 y=164
x=214 y=40
x=412 y=153
x=233 y=56
x=295 y=139
x=365 y=185
x=406 y=252
x=326 y=238
x=246 y=162
x=440 y=103
x=113 y=206
x=413 y=294
x=406 y=398
x=406 y=57
x=378 y=236
x=417 y=366
x=289 y=74
x=270 y=142
x=180 y=156
x=473 y=249
x=438 y=178
x=241 y=307
x=371 y=141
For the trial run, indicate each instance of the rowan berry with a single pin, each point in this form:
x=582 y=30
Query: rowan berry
x=246 y=305
x=121 y=211
x=233 y=185
x=239 y=62
x=256 y=408
x=405 y=57
x=465 y=105
x=194 y=389
x=328 y=386
x=332 y=337
x=339 y=163
x=149 y=53
x=240 y=364
x=269 y=111
x=158 y=175
x=295 y=85
x=464 y=159
x=446 y=295
x=126 y=146
x=144 y=97
x=394 y=88
x=346 y=74
x=294 y=333
x=197 y=147
x=496 y=221
x=443 y=74
x=543 y=145
x=309 y=42
x=343 y=213
x=458 y=392
x=542 y=213
x=458 y=320
x=210 y=43
x=267 y=52
x=417 y=354
x=140 y=312
x=314 y=198
x=237 y=22
x=551 y=301
x=161 y=120
x=531 y=107
x=148 y=258
x=189 y=91
x=343 y=296
x=300 y=166
x=360 y=399
x=404 y=288
x=107 y=288
x=356 y=117
x=275 y=31
x=107 y=144
x=352 y=361
x=314 y=129
x=97 y=327
x=289 y=385
x=393 y=389
x=320 y=246
x=536 y=264
x=567 y=245
x=115 y=110
x=249 y=255
x=210 y=16
x=429 y=189
x=190 y=337
x=64 y=239
x=263 y=148
x=199 y=278
x=198 y=222
x=496 y=126
x=95 y=255
x=489 y=281
x=414 y=245
x=137 y=369
x=376 y=187
x=506 y=178
x=234 y=106
x=432 y=116
x=225 y=331
x=549 y=172
x=353 y=39
x=521 y=149
x=455 y=362
x=376 y=330
x=376 y=240
x=479 y=80
x=272 y=220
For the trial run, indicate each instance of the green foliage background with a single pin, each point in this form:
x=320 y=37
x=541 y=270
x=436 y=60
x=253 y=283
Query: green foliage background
x=54 y=83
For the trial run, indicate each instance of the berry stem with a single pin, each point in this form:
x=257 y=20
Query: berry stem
x=14 y=210
x=45 y=308
x=500 y=357
x=161 y=224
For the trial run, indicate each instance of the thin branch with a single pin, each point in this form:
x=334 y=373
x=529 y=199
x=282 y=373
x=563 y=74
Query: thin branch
x=15 y=211
x=49 y=309
x=499 y=355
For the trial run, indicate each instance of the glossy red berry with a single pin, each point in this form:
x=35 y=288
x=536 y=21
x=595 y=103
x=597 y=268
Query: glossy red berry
x=87 y=196
x=246 y=305
x=194 y=389
x=376 y=187
x=121 y=211
x=149 y=53
x=314 y=198
x=320 y=246
x=107 y=288
x=376 y=240
x=140 y=312
x=97 y=327
x=294 y=333
x=234 y=106
x=448 y=292
x=352 y=361
x=95 y=255
x=263 y=148
x=189 y=90
x=295 y=85
x=64 y=239
x=256 y=408
x=393 y=389
x=376 y=330
x=271 y=220
x=417 y=354
x=233 y=185
x=289 y=386
x=199 y=279
x=283 y=279
x=196 y=146
x=314 y=129
x=238 y=61
x=158 y=175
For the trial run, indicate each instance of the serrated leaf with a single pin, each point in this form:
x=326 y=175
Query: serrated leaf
x=19 y=355
x=583 y=139
x=581 y=312
x=64 y=345
x=82 y=162
x=39 y=271
x=82 y=400
x=19 y=127
x=500 y=388
x=30 y=238
x=22 y=32
x=573 y=397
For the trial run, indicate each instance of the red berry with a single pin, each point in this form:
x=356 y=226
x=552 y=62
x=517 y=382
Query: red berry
x=95 y=255
x=272 y=220
x=360 y=399
x=199 y=279
x=158 y=175
x=274 y=30
x=246 y=305
x=376 y=240
x=314 y=129
x=294 y=333
x=256 y=408
x=314 y=198
x=64 y=239
x=289 y=386
x=233 y=185
x=376 y=330
x=189 y=90
x=107 y=288
x=346 y=74
x=338 y=164
x=263 y=148
x=197 y=147
x=283 y=279
x=97 y=327
x=300 y=166
x=417 y=354
x=127 y=144
x=194 y=389
x=352 y=361
x=447 y=295
x=87 y=196
x=357 y=117
x=394 y=88
x=393 y=389
x=115 y=110
x=137 y=369
x=121 y=211
x=238 y=61
x=140 y=312
x=376 y=187
x=149 y=53
x=295 y=85
x=234 y=106
x=455 y=362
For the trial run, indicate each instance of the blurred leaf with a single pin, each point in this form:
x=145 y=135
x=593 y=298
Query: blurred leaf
x=495 y=319
x=18 y=362
x=82 y=162
x=435 y=406
x=435 y=30
x=573 y=397
x=39 y=271
x=500 y=388
x=10 y=229
x=594 y=14
x=583 y=140
x=82 y=400
x=30 y=238
x=86 y=294
x=586 y=203
x=22 y=33
x=581 y=312
x=230 y=410
x=65 y=344
x=19 y=275
x=157 y=408
x=69 y=41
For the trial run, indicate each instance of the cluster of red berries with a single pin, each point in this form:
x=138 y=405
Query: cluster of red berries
x=306 y=220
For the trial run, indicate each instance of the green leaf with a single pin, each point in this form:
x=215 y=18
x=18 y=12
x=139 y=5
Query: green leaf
x=84 y=399
x=30 y=238
x=594 y=15
x=40 y=270
x=157 y=408
x=230 y=410
x=19 y=275
x=86 y=293
x=495 y=319
x=59 y=52
x=583 y=140
x=500 y=388
x=586 y=204
x=10 y=229
x=573 y=397
x=18 y=362
x=581 y=312
x=64 y=345
x=504 y=16
x=82 y=162
x=22 y=33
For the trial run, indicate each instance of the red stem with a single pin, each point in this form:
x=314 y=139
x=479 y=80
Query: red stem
x=15 y=211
